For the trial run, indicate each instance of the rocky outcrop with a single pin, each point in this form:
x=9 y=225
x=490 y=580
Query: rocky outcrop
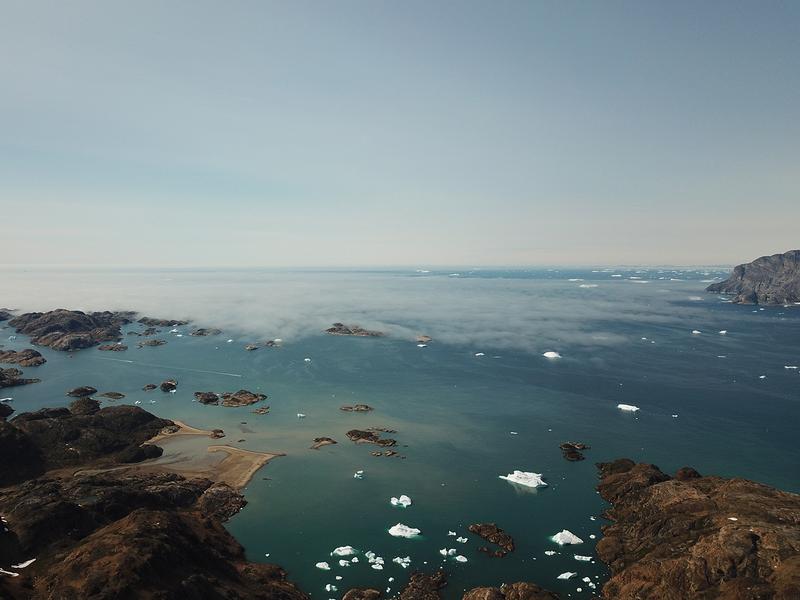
x=697 y=538
x=82 y=391
x=511 y=591
x=767 y=280
x=356 y=408
x=362 y=594
x=369 y=436
x=113 y=395
x=201 y=332
x=342 y=329
x=69 y=330
x=23 y=358
x=319 y=442
x=150 y=387
x=13 y=377
x=573 y=451
x=5 y=411
x=169 y=385
x=240 y=398
x=113 y=347
x=493 y=534
x=161 y=322
x=5 y=315
x=424 y=586
x=206 y=397
x=151 y=343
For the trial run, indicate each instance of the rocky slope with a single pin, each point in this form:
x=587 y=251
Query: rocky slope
x=71 y=329
x=115 y=534
x=24 y=358
x=12 y=377
x=697 y=538
x=767 y=280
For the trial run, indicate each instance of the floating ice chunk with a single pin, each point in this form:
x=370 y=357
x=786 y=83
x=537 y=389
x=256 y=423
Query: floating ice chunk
x=616 y=275
x=22 y=565
x=138 y=402
x=551 y=354
x=230 y=341
x=525 y=478
x=422 y=345
x=403 y=561
x=762 y=376
x=344 y=563
x=377 y=567
x=592 y=536
x=405 y=531
x=586 y=580
x=354 y=559
x=696 y=332
x=306 y=359
x=343 y=551
x=588 y=285
x=338 y=578
x=452 y=533
x=403 y=501
x=583 y=558
x=358 y=475
x=391 y=579
x=674 y=416
x=9 y=573
x=513 y=433
x=567 y=575
x=566 y=537
x=723 y=332
x=789 y=367
x=480 y=354
x=628 y=407
x=323 y=565
x=549 y=552
x=301 y=416
x=448 y=551
x=575 y=279
x=461 y=558
x=461 y=540
x=330 y=588
x=9 y=399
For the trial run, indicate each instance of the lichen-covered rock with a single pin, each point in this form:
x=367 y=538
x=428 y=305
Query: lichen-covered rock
x=23 y=358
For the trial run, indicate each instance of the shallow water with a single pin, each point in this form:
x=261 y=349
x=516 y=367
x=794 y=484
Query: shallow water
x=453 y=411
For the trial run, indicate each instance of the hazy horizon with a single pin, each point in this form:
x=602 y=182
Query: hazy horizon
x=364 y=134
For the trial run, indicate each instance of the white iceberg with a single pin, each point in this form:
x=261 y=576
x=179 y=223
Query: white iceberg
x=452 y=533
x=448 y=551
x=403 y=561
x=461 y=540
x=588 y=285
x=22 y=565
x=567 y=575
x=323 y=565
x=343 y=551
x=566 y=537
x=377 y=567
x=549 y=552
x=628 y=407
x=551 y=354
x=405 y=531
x=583 y=558
x=306 y=359
x=723 y=332
x=403 y=501
x=344 y=563
x=696 y=332
x=525 y=478
x=330 y=588
x=301 y=416
x=461 y=558
x=358 y=475
x=479 y=354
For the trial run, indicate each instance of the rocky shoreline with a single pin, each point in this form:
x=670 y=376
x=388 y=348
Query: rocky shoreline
x=770 y=280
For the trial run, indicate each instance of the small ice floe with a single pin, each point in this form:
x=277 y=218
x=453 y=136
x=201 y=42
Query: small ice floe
x=22 y=565
x=301 y=416
x=230 y=341
x=551 y=354
x=343 y=551
x=789 y=366
x=460 y=558
x=582 y=558
x=178 y=335
x=330 y=588
x=615 y=275
x=567 y=575
x=9 y=399
x=586 y=580
x=11 y=338
x=344 y=563
x=696 y=332
x=762 y=376
x=692 y=298
x=138 y=402
x=405 y=531
x=422 y=345
x=403 y=561
x=480 y=354
x=358 y=475
x=513 y=433
x=338 y=578
x=452 y=533
x=9 y=573
x=323 y=565
x=377 y=566
x=549 y=552
x=588 y=285
x=674 y=416
x=354 y=559
x=525 y=478
x=461 y=540
x=575 y=279
x=592 y=536
x=566 y=537
x=173 y=331
x=723 y=332
x=628 y=407
x=448 y=551
x=306 y=359
x=729 y=519
x=403 y=501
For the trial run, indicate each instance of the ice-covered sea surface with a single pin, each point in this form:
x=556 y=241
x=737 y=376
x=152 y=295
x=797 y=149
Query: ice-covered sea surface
x=453 y=403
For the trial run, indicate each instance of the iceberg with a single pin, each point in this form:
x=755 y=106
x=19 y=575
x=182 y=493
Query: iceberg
x=323 y=565
x=452 y=533
x=461 y=558
x=549 y=552
x=403 y=501
x=696 y=332
x=461 y=540
x=479 y=354
x=358 y=475
x=344 y=563
x=628 y=407
x=723 y=332
x=343 y=551
x=448 y=551
x=403 y=561
x=567 y=575
x=330 y=588
x=525 y=478
x=588 y=285
x=583 y=558
x=405 y=531
x=566 y=537
x=301 y=416
x=551 y=354
x=22 y=565
x=306 y=359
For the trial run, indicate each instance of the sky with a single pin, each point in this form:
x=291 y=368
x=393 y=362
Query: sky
x=414 y=133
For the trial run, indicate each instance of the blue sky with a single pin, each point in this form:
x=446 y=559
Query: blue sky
x=398 y=133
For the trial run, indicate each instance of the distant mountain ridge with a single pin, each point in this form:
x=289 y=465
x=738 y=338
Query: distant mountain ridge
x=767 y=280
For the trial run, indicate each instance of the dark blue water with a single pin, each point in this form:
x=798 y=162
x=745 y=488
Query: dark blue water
x=453 y=411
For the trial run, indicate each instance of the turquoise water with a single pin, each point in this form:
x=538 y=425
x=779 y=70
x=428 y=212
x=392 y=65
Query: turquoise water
x=453 y=411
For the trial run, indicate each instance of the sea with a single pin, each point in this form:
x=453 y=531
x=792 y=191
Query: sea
x=716 y=384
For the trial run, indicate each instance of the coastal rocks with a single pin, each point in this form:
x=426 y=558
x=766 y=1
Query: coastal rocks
x=113 y=347
x=697 y=537
x=356 y=408
x=572 y=450
x=232 y=399
x=113 y=395
x=5 y=315
x=150 y=387
x=767 y=280
x=261 y=410
x=370 y=436
x=424 y=586
x=319 y=442
x=493 y=534
x=511 y=591
x=169 y=385
x=82 y=391
x=424 y=339
x=23 y=358
x=84 y=406
x=13 y=377
x=217 y=434
x=251 y=347
x=202 y=332
x=5 y=411
x=355 y=330
x=161 y=322
x=69 y=330
x=151 y=343
x=362 y=594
